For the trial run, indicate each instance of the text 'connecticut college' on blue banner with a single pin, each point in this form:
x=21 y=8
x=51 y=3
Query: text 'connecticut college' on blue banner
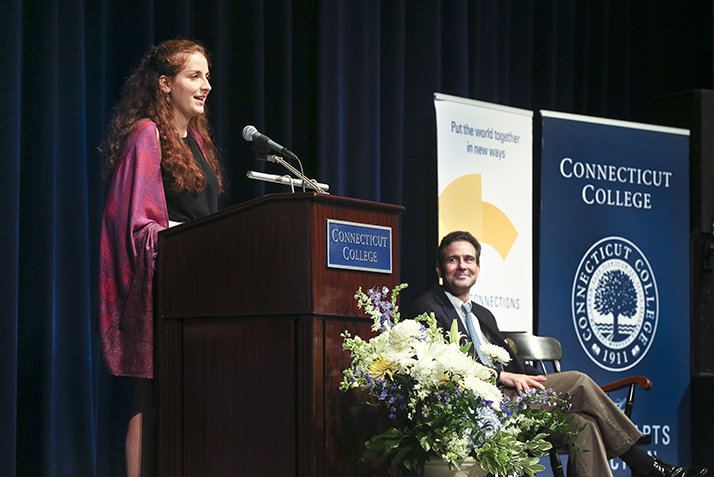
x=356 y=246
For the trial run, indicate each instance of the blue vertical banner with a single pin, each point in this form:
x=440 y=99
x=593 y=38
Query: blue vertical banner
x=614 y=264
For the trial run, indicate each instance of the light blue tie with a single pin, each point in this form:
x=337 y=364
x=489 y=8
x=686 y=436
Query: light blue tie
x=474 y=337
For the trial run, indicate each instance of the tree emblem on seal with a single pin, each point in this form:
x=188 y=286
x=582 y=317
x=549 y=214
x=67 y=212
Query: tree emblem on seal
x=616 y=295
x=615 y=304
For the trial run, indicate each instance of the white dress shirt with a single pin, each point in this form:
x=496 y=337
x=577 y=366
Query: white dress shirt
x=477 y=324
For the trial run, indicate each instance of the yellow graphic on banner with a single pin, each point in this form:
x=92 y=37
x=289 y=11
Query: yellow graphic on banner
x=461 y=208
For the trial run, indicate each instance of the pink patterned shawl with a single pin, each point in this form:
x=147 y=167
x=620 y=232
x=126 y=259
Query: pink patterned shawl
x=134 y=213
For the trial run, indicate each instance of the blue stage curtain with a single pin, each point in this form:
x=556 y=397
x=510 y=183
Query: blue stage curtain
x=347 y=85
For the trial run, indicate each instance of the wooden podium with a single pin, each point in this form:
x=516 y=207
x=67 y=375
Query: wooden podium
x=248 y=349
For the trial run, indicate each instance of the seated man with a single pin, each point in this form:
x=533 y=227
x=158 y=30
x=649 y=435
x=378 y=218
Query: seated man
x=609 y=432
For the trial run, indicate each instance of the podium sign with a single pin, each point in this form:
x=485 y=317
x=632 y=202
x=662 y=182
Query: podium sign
x=359 y=246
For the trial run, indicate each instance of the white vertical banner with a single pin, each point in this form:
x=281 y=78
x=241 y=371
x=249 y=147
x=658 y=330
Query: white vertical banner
x=485 y=186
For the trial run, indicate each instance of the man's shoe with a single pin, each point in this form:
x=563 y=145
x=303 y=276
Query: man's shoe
x=662 y=469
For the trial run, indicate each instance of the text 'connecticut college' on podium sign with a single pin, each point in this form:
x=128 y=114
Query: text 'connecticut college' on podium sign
x=356 y=246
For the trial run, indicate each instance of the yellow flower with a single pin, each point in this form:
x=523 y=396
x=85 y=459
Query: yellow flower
x=380 y=367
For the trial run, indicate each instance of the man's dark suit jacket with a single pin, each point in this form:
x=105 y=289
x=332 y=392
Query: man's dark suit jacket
x=436 y=301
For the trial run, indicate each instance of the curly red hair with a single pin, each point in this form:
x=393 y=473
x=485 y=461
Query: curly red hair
x=143 y=99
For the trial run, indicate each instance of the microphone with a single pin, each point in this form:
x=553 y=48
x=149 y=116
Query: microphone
x=250 y=133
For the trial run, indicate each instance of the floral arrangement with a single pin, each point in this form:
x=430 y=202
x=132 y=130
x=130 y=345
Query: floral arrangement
x=443 y=403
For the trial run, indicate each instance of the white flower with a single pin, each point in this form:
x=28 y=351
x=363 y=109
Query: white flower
x=401 y=360
x=481 y=372
x=483 y=389
x=379 y=343
x=405 y=333
x=427 y=369
x=496 y=353
x=454 y=361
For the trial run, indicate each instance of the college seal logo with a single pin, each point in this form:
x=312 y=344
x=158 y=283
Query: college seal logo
x=615 y=304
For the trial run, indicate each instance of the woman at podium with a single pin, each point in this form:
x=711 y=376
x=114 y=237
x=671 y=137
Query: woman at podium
x=162 y=169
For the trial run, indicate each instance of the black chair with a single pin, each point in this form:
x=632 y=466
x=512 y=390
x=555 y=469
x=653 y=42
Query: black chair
x=544 y=351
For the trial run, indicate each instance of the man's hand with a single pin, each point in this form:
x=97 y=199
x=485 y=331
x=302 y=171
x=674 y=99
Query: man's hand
x=522 y=382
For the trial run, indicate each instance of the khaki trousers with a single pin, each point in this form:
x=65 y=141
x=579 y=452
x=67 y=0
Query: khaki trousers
x=609 y=432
